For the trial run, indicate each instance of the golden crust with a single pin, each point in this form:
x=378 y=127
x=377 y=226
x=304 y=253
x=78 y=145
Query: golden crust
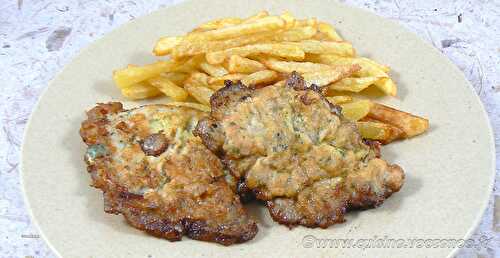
x=294 y=150
x=159 y=176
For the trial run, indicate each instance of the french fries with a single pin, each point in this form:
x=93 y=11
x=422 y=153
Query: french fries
x=213 y=70
x=165 y=45
x=135 y=74
x=353 y=84
x=260 y=77
x=218 y=82
x=369 y=68
x=295 y=34
x=290 y=66
x=411 y=125
x=168 y=88
x=280 y=50
x=230 y=21
x=382 y=132
x=256 y=17
x=200 y=93
x=307 y=22
x=189 y=48
x=325 y=47
x=191 y=64
x=327 y=32
x=356 y=110
x=387 y=86
x=270 y=23
x=325 y=77
x=176 y=77
x=198 y=79
x=341 y=99
x=261 y=50
x=238 y=64
x=217 y=24
x=140 y=90
x=382 y=67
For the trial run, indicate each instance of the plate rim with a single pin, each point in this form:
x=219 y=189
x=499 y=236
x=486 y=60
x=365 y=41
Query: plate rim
x=90 y=45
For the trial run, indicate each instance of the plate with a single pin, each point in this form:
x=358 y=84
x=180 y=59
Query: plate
x=449 y=170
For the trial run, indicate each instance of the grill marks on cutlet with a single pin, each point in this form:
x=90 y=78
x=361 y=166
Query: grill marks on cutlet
x=365 y=182
x=177 y=186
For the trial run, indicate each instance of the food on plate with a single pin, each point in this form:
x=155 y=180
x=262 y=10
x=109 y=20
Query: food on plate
x=285 y=116
x=369 y=70
x=338 y=48
x=140 y=90
x=356 y=109
x=378 y=131
x=295 y=150
x=324 y=77
x=238 y=64
x=260 y=77
x=339 y=99
x=326 y=201
x=286 y=51
x=291 y=66
x=353 y=84
x=410 y=124
x=168 y=88
x=261 y=50
x=213 y=70
x=133 y=74
x=200 y=93
x=218 y=82
x=159 y=176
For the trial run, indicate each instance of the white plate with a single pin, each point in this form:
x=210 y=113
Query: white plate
x=449 y=169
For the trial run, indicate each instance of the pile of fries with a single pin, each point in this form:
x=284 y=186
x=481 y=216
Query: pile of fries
x=262 y=50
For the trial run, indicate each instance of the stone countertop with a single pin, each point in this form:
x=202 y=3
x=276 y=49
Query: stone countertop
x=37 y=38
